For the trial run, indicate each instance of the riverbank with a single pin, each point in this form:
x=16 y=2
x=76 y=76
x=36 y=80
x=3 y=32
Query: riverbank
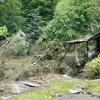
x=58 y=85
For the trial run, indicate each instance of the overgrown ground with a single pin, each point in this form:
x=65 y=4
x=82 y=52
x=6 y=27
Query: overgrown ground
x=46 y=94
x=14 y=65
x=61 y=86
x=18 y=65
x=54 y=84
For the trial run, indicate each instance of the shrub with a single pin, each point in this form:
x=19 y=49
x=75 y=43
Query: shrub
x=92 y=69
x=20 y=45
x=3 y=32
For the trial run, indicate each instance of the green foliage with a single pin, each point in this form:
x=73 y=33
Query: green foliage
x=21 y=45
x=73 y=18
x=10 y=15
x=33 y=27
x=17 y=14
x=37 y=14
x=93 y=86
x=43 y=8
x=92 y=68
x=3 y=32
x=57 y=86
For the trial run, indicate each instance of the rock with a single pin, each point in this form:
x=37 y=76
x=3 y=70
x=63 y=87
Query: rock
x=23 y=86
x=74 y=91
x=78 y=89
x=30 y=84
x=16 y=88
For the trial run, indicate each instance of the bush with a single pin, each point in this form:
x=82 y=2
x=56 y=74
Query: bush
x=3 y=32
x=92 y=69
x=20 y=45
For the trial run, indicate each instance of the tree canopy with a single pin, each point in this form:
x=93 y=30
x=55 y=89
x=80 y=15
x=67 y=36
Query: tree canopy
x=73 y=18
x=10 y=15
x=50 y=19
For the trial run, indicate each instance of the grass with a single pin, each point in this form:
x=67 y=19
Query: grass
x=93 y=86
x=56 y=87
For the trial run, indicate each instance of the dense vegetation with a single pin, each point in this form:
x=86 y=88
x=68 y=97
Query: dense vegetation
x=73 y=19
x=92 y=69
x=59 y=19
x=41 y=26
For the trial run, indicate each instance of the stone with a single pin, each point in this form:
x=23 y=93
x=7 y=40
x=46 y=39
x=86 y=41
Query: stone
x=30 y=84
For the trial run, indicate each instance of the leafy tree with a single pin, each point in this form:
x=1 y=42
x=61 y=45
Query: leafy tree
x=33 y=27
x=37 y=14
x=10 y=15
x=44 y=8
x=73 y=18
